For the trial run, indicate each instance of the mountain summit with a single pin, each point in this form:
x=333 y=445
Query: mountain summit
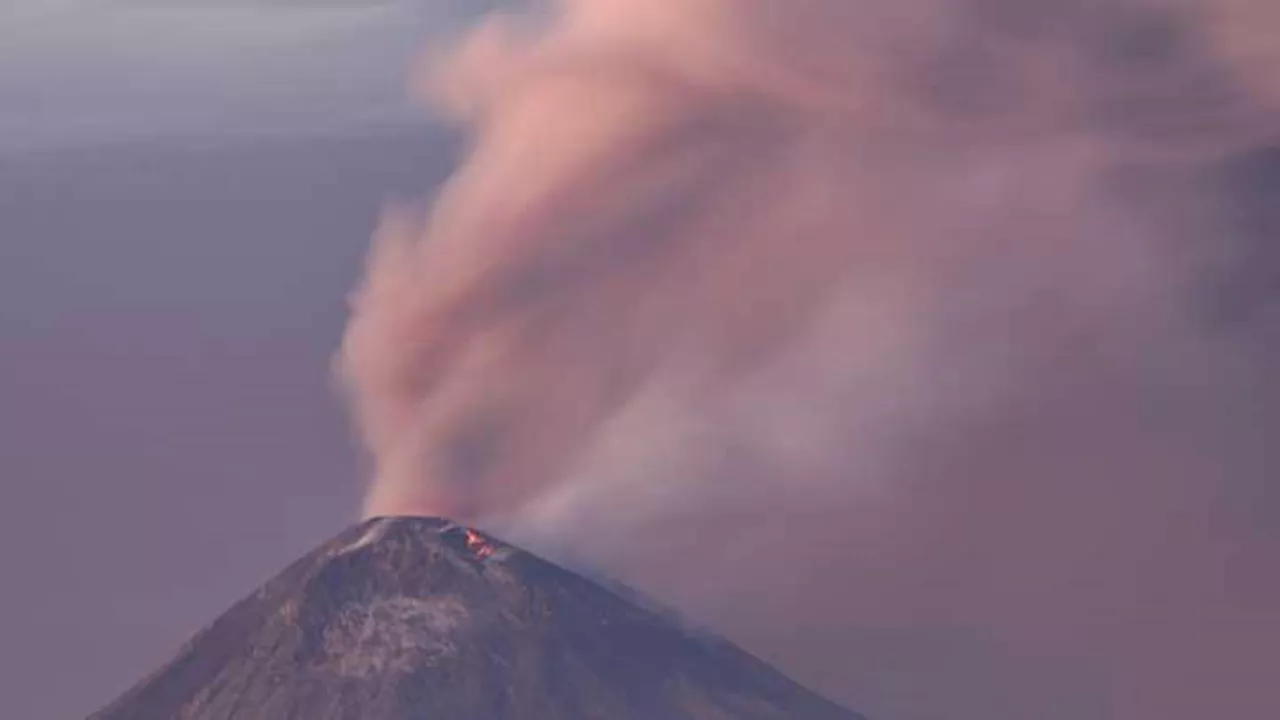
x=424 y=619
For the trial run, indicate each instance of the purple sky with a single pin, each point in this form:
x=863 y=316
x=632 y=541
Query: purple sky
x=91 y=71
x=168 y=307
x=168 y=434
x=186 y=196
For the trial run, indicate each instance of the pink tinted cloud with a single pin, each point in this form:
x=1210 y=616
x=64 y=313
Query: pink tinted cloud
x=860 y=332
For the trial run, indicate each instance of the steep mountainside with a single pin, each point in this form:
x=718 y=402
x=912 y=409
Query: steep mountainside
x=402 y=619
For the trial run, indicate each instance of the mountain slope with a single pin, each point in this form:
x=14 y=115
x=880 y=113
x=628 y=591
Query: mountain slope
x=407 y=619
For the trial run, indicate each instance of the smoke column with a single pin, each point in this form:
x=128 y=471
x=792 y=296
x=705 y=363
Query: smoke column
x=925 y=348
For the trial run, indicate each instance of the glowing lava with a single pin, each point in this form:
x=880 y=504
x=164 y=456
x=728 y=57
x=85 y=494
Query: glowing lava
x=478 y=545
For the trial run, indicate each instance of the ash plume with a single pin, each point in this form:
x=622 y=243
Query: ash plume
x=925 y=348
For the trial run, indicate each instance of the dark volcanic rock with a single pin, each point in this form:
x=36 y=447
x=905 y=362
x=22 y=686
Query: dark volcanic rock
x=420 y=619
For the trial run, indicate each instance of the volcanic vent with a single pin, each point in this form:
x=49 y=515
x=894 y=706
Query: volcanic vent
x=401 y=619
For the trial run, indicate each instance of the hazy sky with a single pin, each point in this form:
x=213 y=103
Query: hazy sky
x=169 y=436
x=85 y=71
x=170 y=430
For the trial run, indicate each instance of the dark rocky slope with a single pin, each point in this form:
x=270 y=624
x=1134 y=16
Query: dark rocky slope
x=420 y=619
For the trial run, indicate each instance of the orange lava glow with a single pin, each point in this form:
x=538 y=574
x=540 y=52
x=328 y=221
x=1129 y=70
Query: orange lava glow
x=478 y=545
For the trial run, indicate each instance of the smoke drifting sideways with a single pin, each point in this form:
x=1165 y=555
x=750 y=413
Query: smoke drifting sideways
x=926 y=349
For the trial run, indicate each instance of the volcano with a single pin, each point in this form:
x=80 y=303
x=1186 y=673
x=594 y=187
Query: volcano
x=424 y=619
